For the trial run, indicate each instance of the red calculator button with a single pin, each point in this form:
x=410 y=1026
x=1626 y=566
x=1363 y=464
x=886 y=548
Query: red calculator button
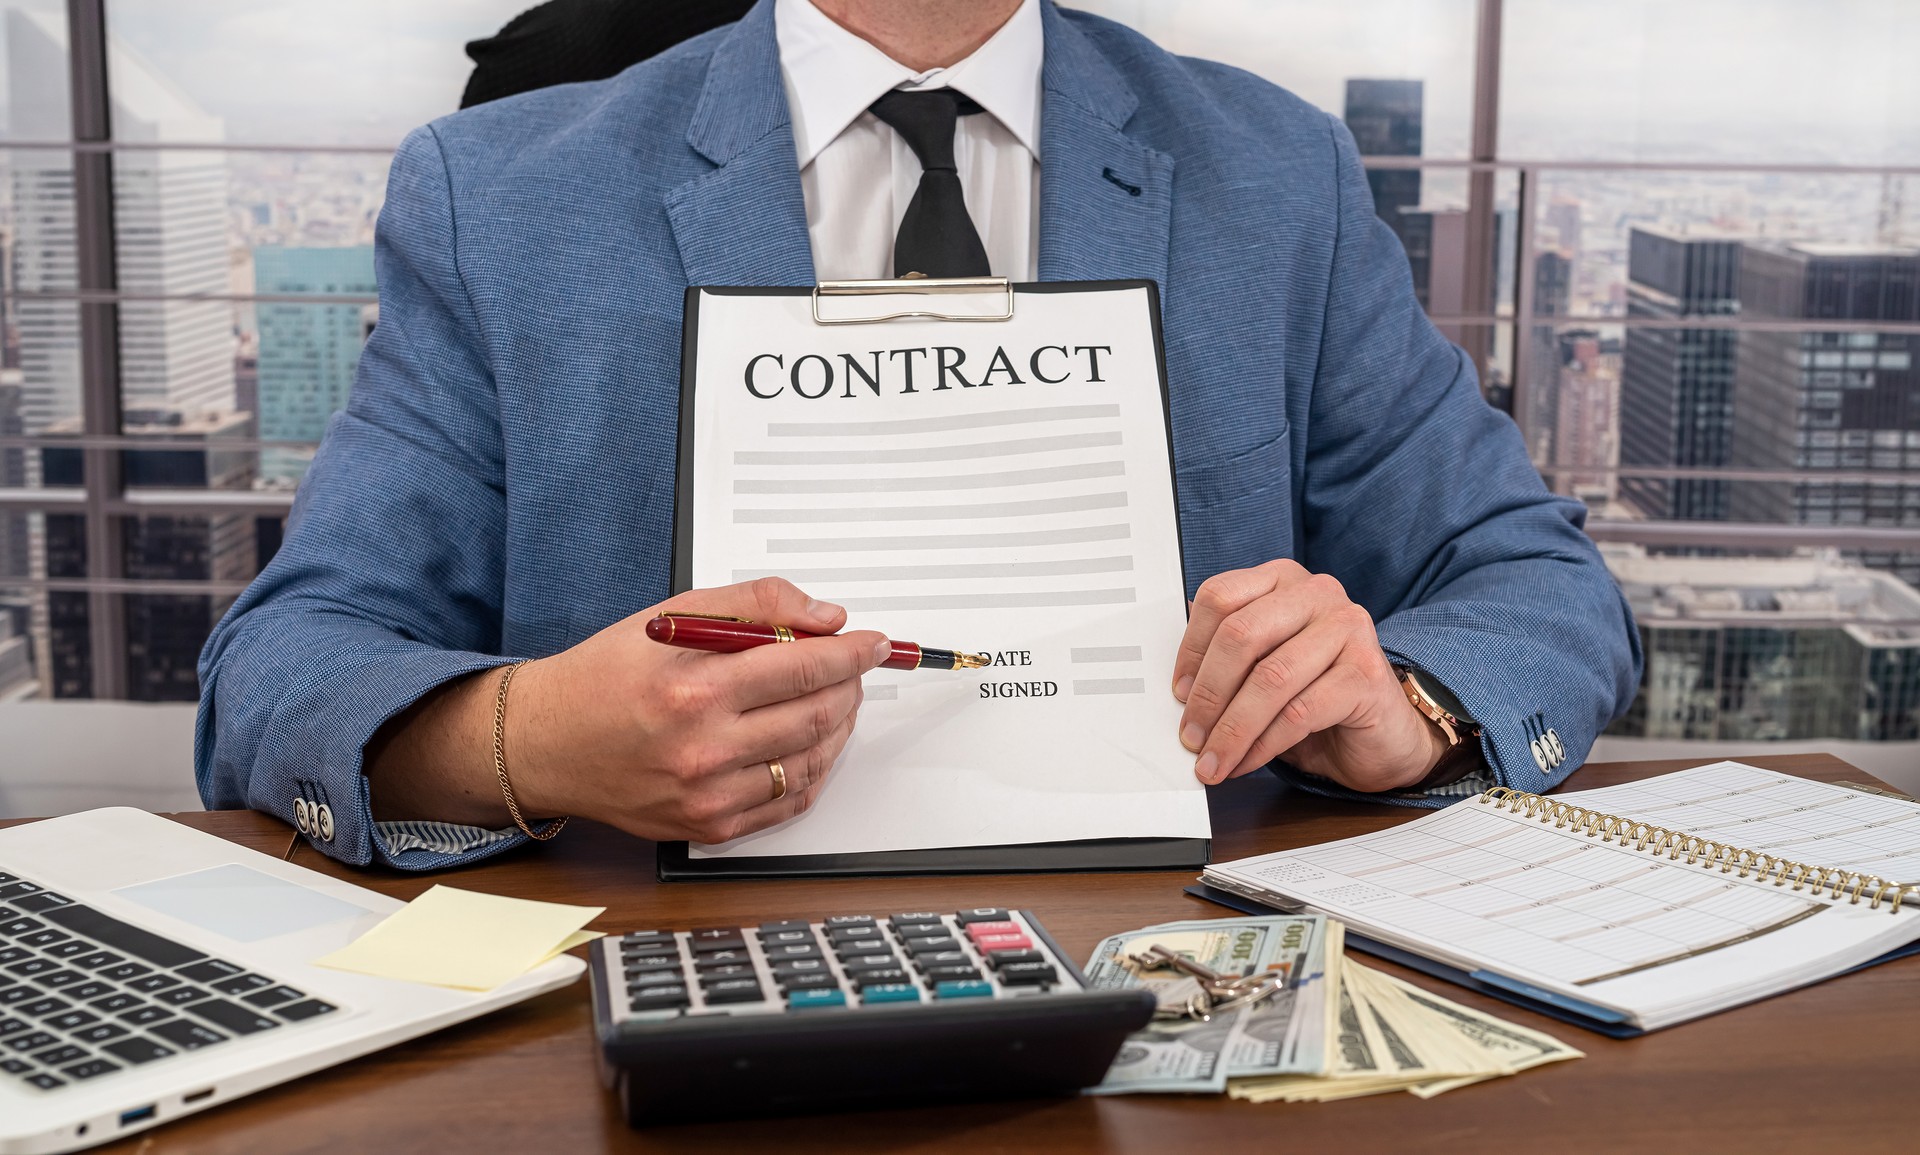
x=988 y=942
x=976 y=929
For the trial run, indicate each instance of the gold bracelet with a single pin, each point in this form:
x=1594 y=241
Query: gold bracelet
x=500 y=760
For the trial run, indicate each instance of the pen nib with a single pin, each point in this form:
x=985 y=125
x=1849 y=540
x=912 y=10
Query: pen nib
x=965 y=661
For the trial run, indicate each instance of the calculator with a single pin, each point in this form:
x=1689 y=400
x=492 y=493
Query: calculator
x=854 y=1010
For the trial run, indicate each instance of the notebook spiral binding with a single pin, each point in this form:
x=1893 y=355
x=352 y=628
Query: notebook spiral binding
x=1853 y=885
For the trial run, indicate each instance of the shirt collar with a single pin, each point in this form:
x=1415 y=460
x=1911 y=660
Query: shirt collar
x=831 y=75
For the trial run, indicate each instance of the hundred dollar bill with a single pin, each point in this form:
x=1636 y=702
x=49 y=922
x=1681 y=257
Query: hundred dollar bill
x=1173 y=1056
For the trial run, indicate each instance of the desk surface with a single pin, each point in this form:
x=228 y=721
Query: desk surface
x=1830 y=1067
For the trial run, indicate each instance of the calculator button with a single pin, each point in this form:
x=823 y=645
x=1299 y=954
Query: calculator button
x=1028 y=974
x=842 y=935
x=801 y=1000
x=1003 y=942
x=811 y=981
x=855 y=962
x=649 y=949
x=660 y=998
x=784 y=925
x=920 y=946
x=919 y=929
x=847 y=920
x=890 y=993
x=656 y=979
x=734 y=991
x=976 y=929
x=791 y=951
x=800 y=966
x=981 y=914
x=788 y=938
x=709 y=945
x=713 y=934
x=1000 y=958
x=949 y=973
x=964 y=989
x=634 y=966
x=709 y=976
x=722 y=958
x=915 y=916
x=879 y=978
x=642 y=937
x=943 y=958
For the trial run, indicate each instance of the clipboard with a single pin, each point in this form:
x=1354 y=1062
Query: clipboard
x=995 y=299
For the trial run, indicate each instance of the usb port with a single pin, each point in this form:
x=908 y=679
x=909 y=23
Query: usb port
x=137 y=1115
x=196 y=1096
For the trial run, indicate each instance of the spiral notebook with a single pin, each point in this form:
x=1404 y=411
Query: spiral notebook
x=1632 y=907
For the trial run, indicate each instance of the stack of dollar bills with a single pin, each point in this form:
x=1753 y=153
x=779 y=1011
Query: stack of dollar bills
x=1338 y=1030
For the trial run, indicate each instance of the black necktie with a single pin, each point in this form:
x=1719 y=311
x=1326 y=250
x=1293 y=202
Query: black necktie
x=937 y=236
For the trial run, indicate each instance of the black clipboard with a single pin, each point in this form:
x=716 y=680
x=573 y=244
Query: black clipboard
x=674 y=862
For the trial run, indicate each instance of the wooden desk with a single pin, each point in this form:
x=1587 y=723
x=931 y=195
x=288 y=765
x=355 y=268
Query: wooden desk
x=1828 y=1068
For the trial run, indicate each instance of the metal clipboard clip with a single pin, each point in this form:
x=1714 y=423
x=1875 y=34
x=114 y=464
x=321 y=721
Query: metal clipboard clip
x=919 y=286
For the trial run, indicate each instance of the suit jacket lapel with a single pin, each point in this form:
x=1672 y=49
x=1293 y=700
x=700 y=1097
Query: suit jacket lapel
x=744 y=223
x=1105 y=198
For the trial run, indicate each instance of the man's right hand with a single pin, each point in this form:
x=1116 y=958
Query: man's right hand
x=662 y=742
x=670 y=743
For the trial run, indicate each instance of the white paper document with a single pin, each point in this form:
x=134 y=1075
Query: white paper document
x=996 y=487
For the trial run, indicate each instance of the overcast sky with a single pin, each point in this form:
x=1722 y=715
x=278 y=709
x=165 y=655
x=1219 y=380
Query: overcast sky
x=1754 y=79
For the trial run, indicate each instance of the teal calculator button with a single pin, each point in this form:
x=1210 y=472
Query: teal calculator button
x=803 y=1000
x=890 y=993
x=964 y=989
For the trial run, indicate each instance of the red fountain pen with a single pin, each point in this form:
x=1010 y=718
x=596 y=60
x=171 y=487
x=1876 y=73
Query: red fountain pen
x=723 y=635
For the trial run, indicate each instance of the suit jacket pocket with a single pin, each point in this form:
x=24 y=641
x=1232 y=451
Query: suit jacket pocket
x=1237 y=511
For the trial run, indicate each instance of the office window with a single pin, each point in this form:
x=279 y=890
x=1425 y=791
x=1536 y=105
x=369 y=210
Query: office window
x=1680 y=241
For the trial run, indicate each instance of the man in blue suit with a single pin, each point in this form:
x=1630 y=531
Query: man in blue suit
x=1391 y=600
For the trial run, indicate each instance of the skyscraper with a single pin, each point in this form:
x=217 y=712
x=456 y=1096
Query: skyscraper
x=170 y=225
x=1676 y=386
x=1813 y=400
x=1385 y=119
x=177 y=357
x=308 y=353
x=1770 y=649
x=164 y=631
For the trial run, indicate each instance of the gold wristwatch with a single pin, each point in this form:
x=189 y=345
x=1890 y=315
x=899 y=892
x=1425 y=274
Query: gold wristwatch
x=1440 y=707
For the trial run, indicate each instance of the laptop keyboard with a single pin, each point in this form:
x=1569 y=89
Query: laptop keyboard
x=83 y=994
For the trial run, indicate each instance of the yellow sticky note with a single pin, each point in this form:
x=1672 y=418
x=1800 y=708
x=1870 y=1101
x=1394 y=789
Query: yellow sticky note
x=464 y=939
x=577 y=938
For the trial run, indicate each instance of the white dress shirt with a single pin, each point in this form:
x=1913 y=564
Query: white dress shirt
x=858 y=176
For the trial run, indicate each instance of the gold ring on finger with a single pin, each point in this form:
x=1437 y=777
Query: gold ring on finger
x=779 y=779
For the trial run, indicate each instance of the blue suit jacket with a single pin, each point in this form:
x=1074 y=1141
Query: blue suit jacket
x=501 y=483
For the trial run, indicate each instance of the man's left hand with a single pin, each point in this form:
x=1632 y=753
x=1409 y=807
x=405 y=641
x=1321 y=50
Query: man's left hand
x=1278 y=662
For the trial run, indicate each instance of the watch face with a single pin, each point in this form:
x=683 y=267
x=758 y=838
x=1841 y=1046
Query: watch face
x=1440 y=694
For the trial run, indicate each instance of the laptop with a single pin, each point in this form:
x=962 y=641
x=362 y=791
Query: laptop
x=148 y=971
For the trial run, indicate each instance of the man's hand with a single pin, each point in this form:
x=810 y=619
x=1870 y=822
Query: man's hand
x=669 y=743
x=1278 y=662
